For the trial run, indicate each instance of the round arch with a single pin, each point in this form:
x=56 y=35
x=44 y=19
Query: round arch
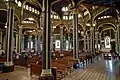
x=113 y=25
x=14 y=15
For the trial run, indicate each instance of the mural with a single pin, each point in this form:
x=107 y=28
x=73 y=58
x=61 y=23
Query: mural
x=107 y=42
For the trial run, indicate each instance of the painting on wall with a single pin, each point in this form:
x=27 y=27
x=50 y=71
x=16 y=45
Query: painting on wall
x=107 y=42
x=57 y=44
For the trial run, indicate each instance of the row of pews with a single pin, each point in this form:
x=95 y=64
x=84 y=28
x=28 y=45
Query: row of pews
x=62 y=63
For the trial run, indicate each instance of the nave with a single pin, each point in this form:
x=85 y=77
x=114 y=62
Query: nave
x=101 y=69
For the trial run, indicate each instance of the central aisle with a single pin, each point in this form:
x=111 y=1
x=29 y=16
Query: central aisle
x=100 y=70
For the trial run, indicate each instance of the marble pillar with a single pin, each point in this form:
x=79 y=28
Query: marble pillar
x=46 y=40
x=75 y=34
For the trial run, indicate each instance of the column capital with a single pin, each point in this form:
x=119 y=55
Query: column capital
x=115 y=31
x=10 y=3
x=20 y=26
x=61 y=26
x=75 y=11
x=92 y=28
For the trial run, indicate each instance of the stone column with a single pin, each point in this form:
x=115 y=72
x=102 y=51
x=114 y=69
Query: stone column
x=75 y=34
x=88 y=43
x=118 y=34
x=20 y=38
x=46 y=39
x=51 y=43
x=22 y=42
x=17 y=42
x=84 y=42
x=96 y=37
x=30 y=40
x=0 y=39
x=116 y=42
x=100 y=41
x=61 y=39
x=9 y=33
x=68 y=41
x=36 y=41
x=91 y=39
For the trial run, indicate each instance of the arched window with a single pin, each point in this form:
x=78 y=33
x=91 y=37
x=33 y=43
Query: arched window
x=19 y=4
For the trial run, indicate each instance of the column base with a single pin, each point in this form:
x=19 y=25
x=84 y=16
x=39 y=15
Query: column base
x=46 y=78
x=46 y=75
x=8 y=67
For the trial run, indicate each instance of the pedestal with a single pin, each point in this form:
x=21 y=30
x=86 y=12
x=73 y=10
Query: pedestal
x=46 y=78
x=8 y=69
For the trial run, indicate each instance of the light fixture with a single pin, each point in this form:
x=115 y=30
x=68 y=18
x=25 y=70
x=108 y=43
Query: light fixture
x=38 y=12
x=93 y=24
x=35 y=11
x=105 y=16
x=27 y=7
x=108 y=16
x=30 y=9
x=64 y=17
x=66 y=8
x=70 y=17
x=63 y=9
x=51 y=16
x=54 y=16
x=15 y=1
x=30 y=31
x=82 y=33
x=93 y=7
x=54 y=26
x=99 y=18
x=79 y=15
x=6 y=25
x=102 y=17
x=31 y=19
x=88 y=24
x=34 y=30
x=57 y=17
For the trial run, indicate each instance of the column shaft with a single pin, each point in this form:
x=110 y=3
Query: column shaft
x=88 y=43
x=20 y=38
x=22 y=42
x=68 y=42
x=116 y=41
x=75 y=35
x=100 y=41
x=118 y=34
x=46 y=39
x=85 y=42
x=36 y=41
x=96 y=36
x=16 y=42
x=30 y=40
x=61 y=39
x=9 y=33
x=91 y=40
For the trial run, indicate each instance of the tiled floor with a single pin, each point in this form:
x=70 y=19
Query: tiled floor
x=20 y=73
x=100 y=70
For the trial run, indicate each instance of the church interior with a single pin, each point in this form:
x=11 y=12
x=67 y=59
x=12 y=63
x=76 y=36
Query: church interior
x=59 y=40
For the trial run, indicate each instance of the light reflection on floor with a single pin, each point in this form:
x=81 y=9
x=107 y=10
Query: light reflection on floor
x=100 y=70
